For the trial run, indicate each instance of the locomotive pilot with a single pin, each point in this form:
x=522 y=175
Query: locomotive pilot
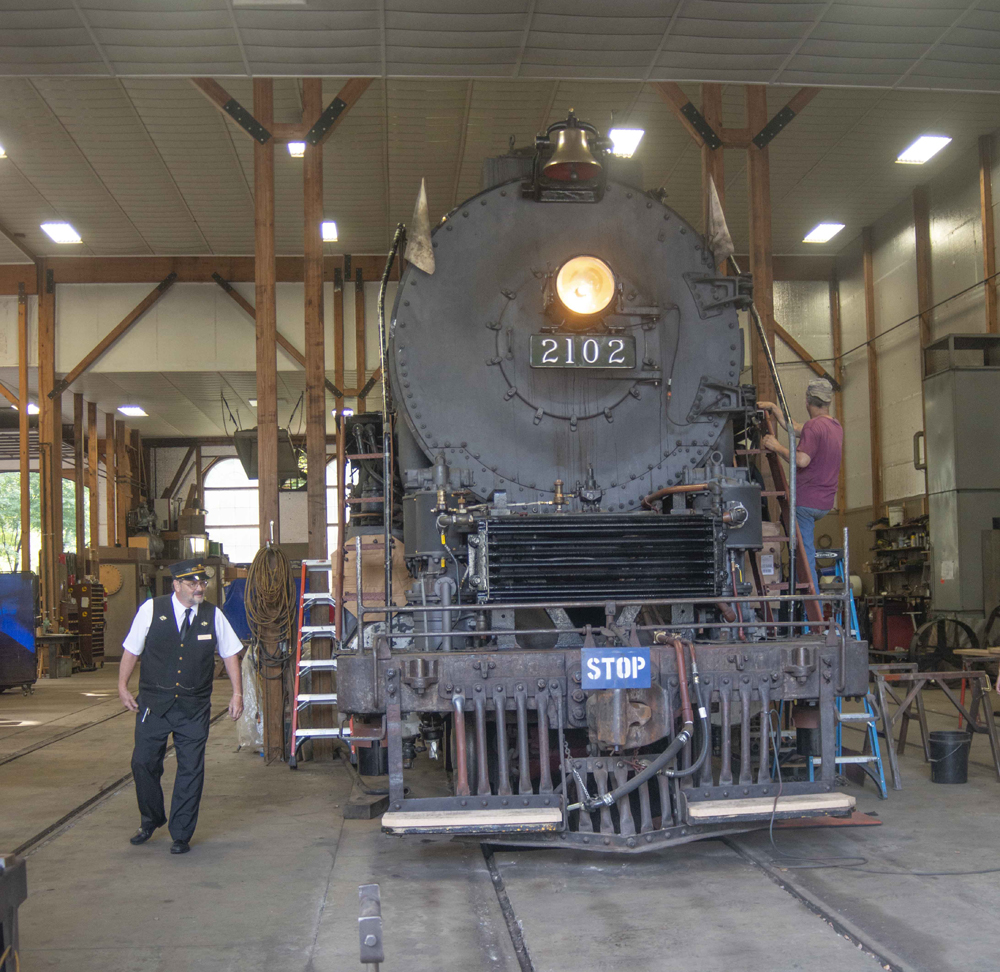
x=177 y=636
x=817 y=459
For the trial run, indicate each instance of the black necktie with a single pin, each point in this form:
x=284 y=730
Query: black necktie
x=186 y=624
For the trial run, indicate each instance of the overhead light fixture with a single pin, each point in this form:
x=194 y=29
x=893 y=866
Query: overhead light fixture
x=342 y=411
x=32 y=408
x=134 y=410
x=822 y=232
x=61 y=233
x=253 y=402
x=626 y=141
x=924 y=148
x=296 y=149
x=3 y=152
x=329 y=230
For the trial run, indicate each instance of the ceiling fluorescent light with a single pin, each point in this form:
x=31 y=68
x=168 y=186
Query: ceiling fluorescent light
x=296 y=149
x=32 y=408
x=329 y=230
x=61 y=233
x=253 y=402
x=133 y=410
x=924 y=148
x=822 y=232
x=626 y=141
x=3 y=152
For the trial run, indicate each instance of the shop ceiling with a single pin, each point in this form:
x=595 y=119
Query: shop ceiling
x=103 y=128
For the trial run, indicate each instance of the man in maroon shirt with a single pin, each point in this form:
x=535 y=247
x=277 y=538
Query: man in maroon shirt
x=817 y=457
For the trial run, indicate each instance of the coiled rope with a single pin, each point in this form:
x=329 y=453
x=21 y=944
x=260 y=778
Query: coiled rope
x=270 y=606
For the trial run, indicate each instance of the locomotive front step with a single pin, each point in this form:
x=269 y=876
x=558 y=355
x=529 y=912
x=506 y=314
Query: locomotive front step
x=535 y=820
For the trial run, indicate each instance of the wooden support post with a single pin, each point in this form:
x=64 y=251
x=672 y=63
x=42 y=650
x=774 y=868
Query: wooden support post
x=989 y=233
x=22 y=423
x=836 y=331
x=874 y=392
x=199 y=478
x=712 y=160
x=122 y=479
x=50 y=445
x=111 y=477
x=761 y=266
x=925 y=293
x=338 y=328
x=267 y=394
x=78 y=484
x=267 y=362
x=137 y=478
x=312 y=174
x=95 y=504
x=360 y=345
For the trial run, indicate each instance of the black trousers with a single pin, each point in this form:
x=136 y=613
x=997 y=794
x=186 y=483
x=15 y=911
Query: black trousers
x=190 y=731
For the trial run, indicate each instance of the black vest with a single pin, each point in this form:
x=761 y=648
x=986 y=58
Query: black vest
x=174 y=672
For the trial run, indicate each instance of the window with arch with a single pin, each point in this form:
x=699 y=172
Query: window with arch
x=232 y=516
x=231 y=510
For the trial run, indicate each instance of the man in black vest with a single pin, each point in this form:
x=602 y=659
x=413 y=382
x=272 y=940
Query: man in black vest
x=177 y=636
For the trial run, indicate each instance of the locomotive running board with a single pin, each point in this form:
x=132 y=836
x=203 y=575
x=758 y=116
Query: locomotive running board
x=515 y=821
x=761 y=808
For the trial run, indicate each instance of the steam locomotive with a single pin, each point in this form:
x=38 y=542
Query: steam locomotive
x=578 y=641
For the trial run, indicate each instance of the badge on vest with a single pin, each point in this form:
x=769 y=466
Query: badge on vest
x=163 y=617
x=204 y=624
x=207 y=637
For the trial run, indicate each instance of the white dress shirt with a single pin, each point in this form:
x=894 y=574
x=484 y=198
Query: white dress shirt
x=227 y=641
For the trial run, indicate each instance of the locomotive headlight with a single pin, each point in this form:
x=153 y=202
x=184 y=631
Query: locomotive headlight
x=585 y=285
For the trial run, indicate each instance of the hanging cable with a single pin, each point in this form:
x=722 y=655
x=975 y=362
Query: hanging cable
x=270 y=605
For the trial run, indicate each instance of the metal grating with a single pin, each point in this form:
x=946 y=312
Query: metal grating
x=599 y=556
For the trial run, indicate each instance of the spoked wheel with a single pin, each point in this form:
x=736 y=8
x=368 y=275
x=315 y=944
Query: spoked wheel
x=934 y=644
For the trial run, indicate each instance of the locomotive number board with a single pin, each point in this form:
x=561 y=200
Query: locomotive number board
x=582 y=351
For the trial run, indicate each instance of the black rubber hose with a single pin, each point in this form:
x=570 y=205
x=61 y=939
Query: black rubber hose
x=706 y=735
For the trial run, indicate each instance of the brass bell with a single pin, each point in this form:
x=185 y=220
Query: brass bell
x=571 y=161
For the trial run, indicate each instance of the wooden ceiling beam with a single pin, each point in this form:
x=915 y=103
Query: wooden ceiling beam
x=782 y=119
x=228 y=105
x=293 y=352
x=336 y=111
x=687 y=114
x=111 y=337
x=14 y=276
x=805 y=356
x=15 y=239
x=189 y=269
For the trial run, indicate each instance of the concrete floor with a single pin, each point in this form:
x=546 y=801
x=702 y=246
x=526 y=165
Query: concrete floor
x=271 y=881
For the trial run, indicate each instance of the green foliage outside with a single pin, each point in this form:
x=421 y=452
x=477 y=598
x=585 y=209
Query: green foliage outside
x=10 y=519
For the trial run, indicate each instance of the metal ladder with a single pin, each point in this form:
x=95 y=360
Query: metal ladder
x=868 y=716
x=305 y=666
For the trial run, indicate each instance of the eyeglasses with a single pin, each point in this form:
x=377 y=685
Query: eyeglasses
x=196 y=583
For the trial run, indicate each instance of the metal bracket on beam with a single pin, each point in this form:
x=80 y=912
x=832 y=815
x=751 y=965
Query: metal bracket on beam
x=773 y=127
x=701 y=126
x=325 y=121
x=246 y=121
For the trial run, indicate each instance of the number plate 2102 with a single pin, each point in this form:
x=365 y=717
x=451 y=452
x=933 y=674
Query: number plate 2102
x=582 y=351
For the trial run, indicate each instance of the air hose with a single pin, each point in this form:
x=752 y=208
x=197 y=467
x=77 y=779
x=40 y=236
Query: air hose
x=677 y=743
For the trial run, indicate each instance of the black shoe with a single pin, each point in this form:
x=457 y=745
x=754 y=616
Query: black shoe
x=180 y=847
x=142 y=835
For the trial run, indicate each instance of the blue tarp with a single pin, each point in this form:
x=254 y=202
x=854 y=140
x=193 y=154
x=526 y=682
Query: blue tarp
x=235 y=608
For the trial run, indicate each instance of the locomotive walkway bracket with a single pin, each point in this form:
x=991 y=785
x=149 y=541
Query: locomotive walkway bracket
x=315 y=132
x=112 y=337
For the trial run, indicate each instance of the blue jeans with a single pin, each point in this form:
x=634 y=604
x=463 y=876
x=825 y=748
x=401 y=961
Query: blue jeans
x=806 y=517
